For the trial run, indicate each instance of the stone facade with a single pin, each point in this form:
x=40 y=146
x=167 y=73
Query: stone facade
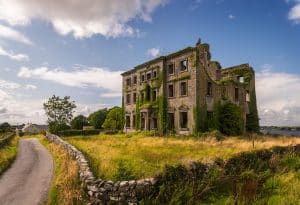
x=186 y=79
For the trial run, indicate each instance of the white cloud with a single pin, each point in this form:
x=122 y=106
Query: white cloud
x=13 y=56
x=4 y=84
x=294 y=14
x=277 y=97
x=109 y=18
x=111 y=81
x=30 y=87
x=154 y=52
x=231 y=17
x=11 y=34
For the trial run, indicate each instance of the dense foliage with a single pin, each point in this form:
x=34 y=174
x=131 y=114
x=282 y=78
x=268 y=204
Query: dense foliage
x=78 y=122
x=96 y=119
x=66 y=133
x=114 y=119
x=59 y=112
x=5 y=127
x=252 y=123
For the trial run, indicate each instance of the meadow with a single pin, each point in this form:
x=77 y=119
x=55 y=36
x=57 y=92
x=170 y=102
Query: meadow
x=135 y=156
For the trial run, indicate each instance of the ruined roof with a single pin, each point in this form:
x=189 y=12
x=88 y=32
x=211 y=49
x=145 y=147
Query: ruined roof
x=148 y=63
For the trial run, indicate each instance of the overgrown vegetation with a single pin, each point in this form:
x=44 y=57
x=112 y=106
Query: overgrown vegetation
x=252 y=122
x=8 y=151
x=143 y=157
x=66 y=187
x=114 y=119
x=96 y=119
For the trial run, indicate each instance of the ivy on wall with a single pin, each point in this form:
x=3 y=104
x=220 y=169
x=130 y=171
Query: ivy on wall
x=252 y=122
x=242 y=70
x=137 y=113
x=162 y=114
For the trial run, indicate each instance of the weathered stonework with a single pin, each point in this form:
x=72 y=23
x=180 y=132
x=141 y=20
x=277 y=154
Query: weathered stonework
x=196 y=81
x=103 y=191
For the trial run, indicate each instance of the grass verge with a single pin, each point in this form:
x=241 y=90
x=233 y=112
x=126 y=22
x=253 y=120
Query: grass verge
x=134 y=156
x=8 y=154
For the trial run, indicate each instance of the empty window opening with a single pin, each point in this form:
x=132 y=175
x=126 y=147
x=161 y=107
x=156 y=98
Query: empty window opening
x=134 y=98
x=183 y=88
x=142 y=78
x=127 y=122
x=209 y=115
x=241 y=79
x=183 y=65
x=134 y=81
x=183 y=119
x=154 y=74
x=154 y=126
x=148 y=76
x=128 y=81
x=148 y=93
x=128 y=98
x=143 y=123
x=142 y=96
x=171 y=69
x=236 y=94
x=133 y=121
x=209 y=89
x=154 y=95
x=171 y=90
x=171 y=121
x=247 y=96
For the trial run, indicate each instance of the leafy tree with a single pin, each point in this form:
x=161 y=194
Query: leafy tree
x=78 y=122
x=252 y=122
x=231 y=120
x=97 y=118
x=114 y=119
x=59 y=112
x=5 y=127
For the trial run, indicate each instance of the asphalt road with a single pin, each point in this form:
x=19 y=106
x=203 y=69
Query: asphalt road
x=28 y=180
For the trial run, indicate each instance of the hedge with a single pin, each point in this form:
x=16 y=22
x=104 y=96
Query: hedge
x=6 y=140
x=66 y=133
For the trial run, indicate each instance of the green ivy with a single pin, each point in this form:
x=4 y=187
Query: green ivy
x=200 y=119
x=137 y=113
x=241 y=70
x=162 y=114
x=252 y=122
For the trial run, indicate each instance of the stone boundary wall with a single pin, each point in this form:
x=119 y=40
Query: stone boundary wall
x=102 y=191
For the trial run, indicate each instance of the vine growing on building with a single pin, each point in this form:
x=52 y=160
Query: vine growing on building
x=162 y=114
x=252 y=122
x=137 y=113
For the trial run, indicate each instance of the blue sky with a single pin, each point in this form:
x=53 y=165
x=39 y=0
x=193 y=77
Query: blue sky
x=79 y=48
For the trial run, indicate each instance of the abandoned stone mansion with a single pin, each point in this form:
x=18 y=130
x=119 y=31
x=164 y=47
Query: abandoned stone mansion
x=178 y=92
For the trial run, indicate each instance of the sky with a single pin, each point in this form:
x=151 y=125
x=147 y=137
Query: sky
x=79 y=48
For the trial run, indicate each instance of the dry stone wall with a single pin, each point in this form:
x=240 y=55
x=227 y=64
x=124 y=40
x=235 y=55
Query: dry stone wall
x=103 y=191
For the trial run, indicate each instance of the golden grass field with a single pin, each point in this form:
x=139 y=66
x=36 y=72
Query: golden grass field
x=8 y=154
x=147 y=156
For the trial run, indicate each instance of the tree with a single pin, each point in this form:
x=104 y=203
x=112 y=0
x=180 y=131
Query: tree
x=59 y=112
x=97 y=118
x=114 y=119
x=5 y=127
x=78 y=122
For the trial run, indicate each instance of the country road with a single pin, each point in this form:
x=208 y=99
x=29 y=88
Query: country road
x=28 y=180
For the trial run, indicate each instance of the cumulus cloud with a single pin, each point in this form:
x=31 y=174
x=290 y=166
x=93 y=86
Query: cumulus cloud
x=294 y=14
x=277 y=97
x=11 y=34
x=111 y=81
x=4 y=84
x=81 y=18
x=13 y=56
x=30 y=87
x=154 y=52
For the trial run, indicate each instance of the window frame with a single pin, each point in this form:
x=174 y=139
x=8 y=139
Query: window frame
x=186 y=83
x=187 y=67
x=181 y=119
x=173 y=90
x=128 y=98
x=173 y=68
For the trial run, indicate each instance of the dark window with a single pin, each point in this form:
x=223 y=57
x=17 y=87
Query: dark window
x=154 y=74
x=127 y=122
x=209 y=115
x=171 y=121
x=134 y=80
x=154 y=95
x=142 y=96
x=209 y=89
x=148 y=93
x=171 y=90
x=183 y=119
x=148 y=76
x=128 y=81
x=171 y=69
x=133 y=121
x=142 y=78
x=183 y=88
x=128 y=98
x=236 y=94
x=183 y=65
x=154 y=120
x=134 y=98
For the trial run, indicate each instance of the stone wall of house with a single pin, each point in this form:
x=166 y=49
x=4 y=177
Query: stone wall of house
x=103 y=191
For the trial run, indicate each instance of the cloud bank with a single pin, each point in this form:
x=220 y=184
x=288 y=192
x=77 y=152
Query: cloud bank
x=80 y=18
x=11 y=34
x=13 y=56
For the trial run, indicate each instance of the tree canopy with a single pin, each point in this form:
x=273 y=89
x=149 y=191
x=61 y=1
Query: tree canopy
x=78 y=122
x=96 y=119
x=114 y=119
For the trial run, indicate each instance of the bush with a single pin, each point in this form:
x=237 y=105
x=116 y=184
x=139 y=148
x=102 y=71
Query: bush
x=96 y=119
x=78 y=122
x=124 y=170
x=114 y=119
x=66 y=133
x=7 y=139
x=55 y=127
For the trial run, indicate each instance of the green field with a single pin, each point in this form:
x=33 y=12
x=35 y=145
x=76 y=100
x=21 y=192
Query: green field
x=134 y=156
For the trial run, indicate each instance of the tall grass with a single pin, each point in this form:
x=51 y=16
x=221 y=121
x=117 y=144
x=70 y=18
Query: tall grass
x=143 y=156
x=7 y=154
